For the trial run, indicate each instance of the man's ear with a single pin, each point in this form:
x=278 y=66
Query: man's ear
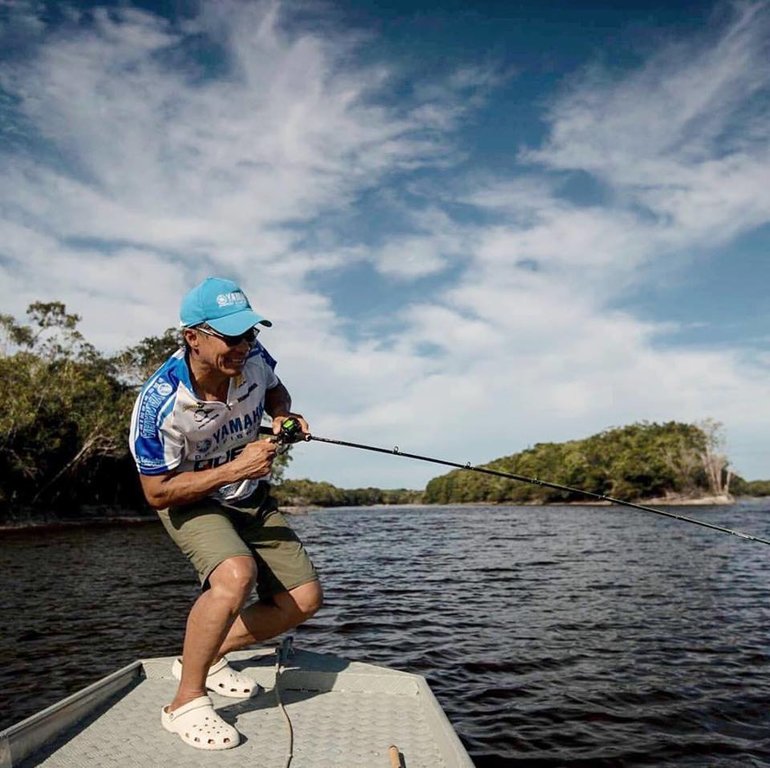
x=191 y=337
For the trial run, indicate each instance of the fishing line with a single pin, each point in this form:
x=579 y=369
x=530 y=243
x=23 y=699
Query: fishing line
x=282 y=654
x=532 y=481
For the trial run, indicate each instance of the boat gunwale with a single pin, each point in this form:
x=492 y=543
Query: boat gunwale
x=20 y=741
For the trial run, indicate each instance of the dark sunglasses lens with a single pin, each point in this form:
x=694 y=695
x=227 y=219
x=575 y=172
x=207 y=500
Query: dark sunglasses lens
x=249 y=337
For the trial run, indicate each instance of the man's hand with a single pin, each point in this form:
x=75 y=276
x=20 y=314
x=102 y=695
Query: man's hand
x=278 y=423
x=255 y=460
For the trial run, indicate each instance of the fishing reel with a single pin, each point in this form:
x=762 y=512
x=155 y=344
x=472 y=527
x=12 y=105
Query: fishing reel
x=291 y=432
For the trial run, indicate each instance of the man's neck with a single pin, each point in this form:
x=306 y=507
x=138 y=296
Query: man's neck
x=209 y=384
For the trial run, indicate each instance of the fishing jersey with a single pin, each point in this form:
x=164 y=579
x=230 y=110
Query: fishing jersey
x=172 y=429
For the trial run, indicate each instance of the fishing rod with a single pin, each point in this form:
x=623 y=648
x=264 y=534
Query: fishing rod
x=291 y=433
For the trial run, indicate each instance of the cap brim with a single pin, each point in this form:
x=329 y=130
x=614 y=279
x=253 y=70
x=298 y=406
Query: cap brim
x=237 y=323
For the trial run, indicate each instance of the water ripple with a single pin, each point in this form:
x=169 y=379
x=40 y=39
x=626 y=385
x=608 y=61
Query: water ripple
x=562 y=636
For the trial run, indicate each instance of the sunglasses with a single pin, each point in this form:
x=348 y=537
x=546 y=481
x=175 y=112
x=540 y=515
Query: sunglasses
x=249 y=336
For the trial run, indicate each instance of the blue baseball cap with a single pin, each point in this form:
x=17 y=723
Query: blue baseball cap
x=221 y=304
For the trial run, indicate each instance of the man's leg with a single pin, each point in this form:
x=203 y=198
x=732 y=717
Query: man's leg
x=282 y=564
x=211 y=617
x=262 y=621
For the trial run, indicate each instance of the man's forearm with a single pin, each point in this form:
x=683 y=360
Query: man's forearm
x=186 y=487
x=278 y=401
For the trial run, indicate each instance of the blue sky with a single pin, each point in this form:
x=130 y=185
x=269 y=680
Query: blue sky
x=476 y=226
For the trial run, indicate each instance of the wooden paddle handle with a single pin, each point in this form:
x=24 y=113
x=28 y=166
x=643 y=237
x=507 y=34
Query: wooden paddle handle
x=395 y=756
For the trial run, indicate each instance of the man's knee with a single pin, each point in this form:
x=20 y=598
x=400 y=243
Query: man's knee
x=312 y=600
x=234 y=579
x=304 y=600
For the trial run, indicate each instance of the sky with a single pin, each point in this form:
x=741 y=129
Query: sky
x=476 y=226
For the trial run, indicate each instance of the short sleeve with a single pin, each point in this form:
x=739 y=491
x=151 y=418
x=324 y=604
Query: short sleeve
x=156 y=446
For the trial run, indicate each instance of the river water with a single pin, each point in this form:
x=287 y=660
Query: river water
x=552 y=636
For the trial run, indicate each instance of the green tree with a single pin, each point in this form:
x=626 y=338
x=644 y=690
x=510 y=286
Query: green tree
x=633 y=462
x=67 y=411
x=135 y=364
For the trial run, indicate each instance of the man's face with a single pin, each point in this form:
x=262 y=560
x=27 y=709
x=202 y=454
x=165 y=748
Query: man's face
x=226 y=354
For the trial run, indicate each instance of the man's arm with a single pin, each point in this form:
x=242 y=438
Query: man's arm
x=278 y=407
x=174 y=489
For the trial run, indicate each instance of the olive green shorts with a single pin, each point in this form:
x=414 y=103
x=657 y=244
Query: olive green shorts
x=209 y=532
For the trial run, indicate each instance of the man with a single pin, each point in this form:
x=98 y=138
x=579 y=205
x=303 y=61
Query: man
x=194 y=439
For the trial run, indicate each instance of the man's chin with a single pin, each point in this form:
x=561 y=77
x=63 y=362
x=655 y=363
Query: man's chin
x=233 y=369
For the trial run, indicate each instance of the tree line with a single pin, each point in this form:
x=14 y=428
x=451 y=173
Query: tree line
x=670 y=461
x=304 y=493
x=65 y=415
x=640 y=461
x=64 y=419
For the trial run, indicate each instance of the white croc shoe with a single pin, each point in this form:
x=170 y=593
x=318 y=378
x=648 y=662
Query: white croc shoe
x=198 y=725
x=224 y=680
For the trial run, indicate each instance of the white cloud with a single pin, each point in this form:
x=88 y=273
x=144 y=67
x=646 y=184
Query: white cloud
x=156 y=173
x=411 y=257
x=528 y=340
x=685 y=135
x=204 y=172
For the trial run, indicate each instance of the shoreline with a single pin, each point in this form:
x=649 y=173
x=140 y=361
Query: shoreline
x=107 y=516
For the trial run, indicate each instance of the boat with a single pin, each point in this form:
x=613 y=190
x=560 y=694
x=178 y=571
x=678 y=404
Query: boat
x=316 y=711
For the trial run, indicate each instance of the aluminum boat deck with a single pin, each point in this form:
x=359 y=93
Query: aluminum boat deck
x=325 y=712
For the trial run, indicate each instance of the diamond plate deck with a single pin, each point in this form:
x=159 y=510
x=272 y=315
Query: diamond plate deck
x=343 y=715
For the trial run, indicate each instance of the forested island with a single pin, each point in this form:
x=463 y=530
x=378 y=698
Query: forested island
x=65 y=415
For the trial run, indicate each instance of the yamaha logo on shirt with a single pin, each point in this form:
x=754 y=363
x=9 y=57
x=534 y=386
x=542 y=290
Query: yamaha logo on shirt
x=163 y=387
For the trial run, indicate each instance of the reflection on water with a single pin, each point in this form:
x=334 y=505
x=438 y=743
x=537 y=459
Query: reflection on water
x=580 y=636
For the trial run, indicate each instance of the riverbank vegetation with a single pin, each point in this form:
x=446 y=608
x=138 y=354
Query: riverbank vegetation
x=64 y=419
x=307 y=493
x=66 y=410
x=640 y=461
